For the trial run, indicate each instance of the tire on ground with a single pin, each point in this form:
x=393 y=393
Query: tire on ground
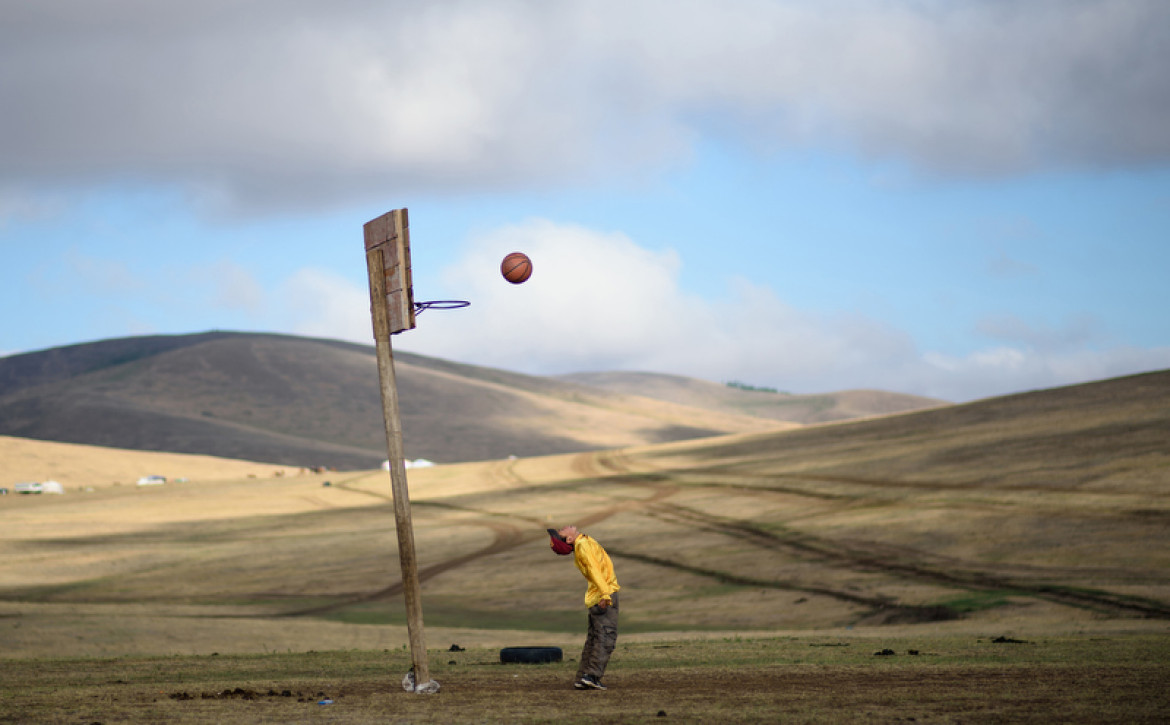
x=531 y=655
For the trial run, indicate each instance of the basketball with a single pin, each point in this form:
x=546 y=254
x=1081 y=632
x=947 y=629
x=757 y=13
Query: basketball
x=516 y=267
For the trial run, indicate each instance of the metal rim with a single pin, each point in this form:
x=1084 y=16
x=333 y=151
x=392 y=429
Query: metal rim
x=439 y=305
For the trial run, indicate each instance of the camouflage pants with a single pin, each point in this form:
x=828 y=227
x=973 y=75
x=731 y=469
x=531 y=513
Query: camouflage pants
x=600 y=641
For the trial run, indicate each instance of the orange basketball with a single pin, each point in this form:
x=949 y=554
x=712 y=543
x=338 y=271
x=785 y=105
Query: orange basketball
x=516 y=267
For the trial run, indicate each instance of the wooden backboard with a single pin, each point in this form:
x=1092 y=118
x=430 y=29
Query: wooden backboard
x=388 y=257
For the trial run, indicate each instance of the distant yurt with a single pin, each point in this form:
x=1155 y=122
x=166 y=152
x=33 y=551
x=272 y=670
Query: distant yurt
x=416 y=463
x=33 y=487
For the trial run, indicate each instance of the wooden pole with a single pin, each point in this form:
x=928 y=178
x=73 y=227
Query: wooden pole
x=381 y=313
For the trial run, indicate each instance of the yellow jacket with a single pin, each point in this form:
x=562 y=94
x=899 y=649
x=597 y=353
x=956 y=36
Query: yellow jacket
x=595 y=564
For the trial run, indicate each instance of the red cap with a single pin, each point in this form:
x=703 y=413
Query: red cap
x=559 y=545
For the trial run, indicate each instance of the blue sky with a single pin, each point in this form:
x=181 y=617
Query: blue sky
x=950 y=199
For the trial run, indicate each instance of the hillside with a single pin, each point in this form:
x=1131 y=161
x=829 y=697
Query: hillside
x=1031 y=516
x=308 y=402
x=803 y=409
x=305 y=402
x=80 y=467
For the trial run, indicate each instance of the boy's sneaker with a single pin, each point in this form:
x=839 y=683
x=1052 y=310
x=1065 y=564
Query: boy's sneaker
x=588 y=682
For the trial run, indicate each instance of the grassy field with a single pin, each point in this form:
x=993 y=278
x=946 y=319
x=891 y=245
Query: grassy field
x=80 y=467
x=1040 y=518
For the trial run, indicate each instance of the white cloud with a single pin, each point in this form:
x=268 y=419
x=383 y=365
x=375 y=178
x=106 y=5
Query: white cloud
x=320 y=303
x=232 y=287
x=592 y=297
x=1003 y=370
x=270 y=103
x=599 y=301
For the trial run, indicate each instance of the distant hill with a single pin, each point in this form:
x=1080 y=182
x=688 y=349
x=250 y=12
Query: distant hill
x=821 y=408
x=1074 y=436
x=311 y=402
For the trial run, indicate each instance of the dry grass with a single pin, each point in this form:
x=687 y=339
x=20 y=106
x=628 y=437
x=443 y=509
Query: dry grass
x=288 y=564
x=1003 y=518
x=78 y=467
x=807 y=679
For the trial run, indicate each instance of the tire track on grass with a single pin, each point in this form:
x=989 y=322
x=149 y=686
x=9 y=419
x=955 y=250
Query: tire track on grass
x=612 y=468
x=702 y=475
x=724 y=577
x=506 y=536
x=871 y=559
x=868 y=559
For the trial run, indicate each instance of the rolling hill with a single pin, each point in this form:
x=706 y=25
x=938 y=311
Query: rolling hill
x=1031 y=515
x=311 y=402
x=742 y=400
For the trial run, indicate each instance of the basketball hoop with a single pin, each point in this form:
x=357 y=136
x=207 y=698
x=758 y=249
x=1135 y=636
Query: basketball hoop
x=439 y=305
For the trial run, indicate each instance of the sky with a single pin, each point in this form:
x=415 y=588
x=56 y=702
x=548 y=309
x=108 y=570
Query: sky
x=951 y=199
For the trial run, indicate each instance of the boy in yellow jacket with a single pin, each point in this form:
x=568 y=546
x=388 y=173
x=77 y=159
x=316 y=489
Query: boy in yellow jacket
x=601 y=598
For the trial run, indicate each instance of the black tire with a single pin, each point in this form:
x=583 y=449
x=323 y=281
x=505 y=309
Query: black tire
x=530 y=655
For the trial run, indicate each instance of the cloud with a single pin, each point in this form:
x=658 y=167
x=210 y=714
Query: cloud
x=1004 y=266
x=222 y=285
x=321 y=303
x=107 y=295
x=600 y=301
x=18 y=205
x=593 y=297
x=1076 y=332
x=230 y=286
x=1006 y=369
x=259 y=103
